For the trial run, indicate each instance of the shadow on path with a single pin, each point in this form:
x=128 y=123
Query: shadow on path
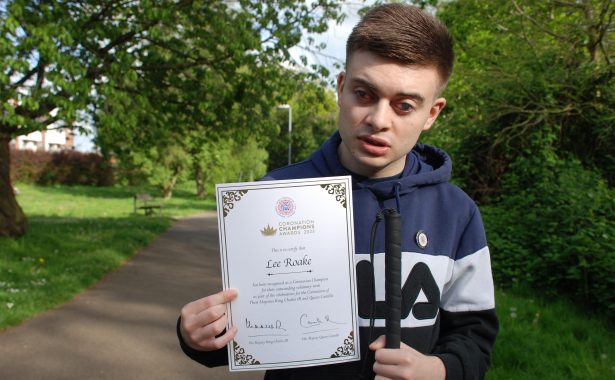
x=124 y=327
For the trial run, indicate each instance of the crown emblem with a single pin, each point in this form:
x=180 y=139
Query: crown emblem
x=268 y=231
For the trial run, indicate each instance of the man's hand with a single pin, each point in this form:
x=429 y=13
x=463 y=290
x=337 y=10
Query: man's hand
x=405 y=363
x=204 y=319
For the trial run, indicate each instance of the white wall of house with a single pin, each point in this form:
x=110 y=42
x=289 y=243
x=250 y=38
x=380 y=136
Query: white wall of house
x=51 y=140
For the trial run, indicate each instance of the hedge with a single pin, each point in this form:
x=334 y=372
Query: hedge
x=64 y=167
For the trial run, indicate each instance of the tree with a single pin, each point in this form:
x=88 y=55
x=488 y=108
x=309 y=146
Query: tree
x=529 y=74
x=314 y=113
x=63 y=59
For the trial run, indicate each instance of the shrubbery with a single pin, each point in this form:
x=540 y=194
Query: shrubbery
x=530 y=129
x=554 y=230
x=64 y=167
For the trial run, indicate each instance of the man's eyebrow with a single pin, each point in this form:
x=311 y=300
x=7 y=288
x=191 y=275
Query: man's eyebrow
x=414 y=95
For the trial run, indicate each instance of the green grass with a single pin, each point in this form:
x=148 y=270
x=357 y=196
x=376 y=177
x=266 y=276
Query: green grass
x=75 y=236
x=550 y=340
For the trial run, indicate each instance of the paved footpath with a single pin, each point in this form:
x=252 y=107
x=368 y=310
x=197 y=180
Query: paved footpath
x=124 y=327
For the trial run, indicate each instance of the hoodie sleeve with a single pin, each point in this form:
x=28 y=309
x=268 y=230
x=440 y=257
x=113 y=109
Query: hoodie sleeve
x=468 y=319
x=207 y=358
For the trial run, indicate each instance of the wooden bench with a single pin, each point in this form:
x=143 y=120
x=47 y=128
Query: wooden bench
x=145 y=202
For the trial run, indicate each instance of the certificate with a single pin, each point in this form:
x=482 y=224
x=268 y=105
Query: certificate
x=288 y=248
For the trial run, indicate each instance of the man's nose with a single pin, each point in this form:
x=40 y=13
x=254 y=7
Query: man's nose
x=379 y=116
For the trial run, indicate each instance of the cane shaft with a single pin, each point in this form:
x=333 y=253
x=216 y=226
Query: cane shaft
x=392 y=278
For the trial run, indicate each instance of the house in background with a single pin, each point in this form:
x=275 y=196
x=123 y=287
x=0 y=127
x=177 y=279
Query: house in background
x=54 y=139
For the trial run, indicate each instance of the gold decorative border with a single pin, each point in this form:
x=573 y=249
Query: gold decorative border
x=337 y=189
x=347 y=349
x=229 y=198
x=241 y=358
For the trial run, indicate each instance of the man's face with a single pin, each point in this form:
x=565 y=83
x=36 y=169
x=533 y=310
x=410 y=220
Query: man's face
x=384 y=107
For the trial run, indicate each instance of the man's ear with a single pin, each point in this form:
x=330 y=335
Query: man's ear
x=437 y=107
x=341 y=79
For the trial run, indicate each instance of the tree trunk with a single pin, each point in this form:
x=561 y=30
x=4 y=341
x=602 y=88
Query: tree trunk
x=200 y=183
x=12 y=218
x=167 y=190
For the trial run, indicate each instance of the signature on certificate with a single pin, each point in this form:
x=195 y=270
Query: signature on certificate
x=309 y=321
x=270 y=325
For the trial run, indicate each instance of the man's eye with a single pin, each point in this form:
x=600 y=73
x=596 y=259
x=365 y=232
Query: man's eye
x=361 y=94
x=405 y=107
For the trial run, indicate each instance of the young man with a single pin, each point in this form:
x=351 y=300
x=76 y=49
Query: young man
x=398 y=61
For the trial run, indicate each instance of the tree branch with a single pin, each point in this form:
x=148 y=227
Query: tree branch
x=40 y=77
x=108 y=6
x=24 y=79
x=538 y=25
x=126 y=37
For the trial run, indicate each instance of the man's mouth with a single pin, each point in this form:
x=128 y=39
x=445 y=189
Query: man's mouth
x=374 y=141
x=374 y=146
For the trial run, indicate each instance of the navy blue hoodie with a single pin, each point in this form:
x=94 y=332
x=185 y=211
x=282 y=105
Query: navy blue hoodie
x=448 y=306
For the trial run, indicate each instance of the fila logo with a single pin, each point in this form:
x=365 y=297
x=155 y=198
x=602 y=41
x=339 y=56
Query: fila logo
x=420 y=278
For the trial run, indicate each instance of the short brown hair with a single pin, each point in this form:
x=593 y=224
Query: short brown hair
x=405 y=34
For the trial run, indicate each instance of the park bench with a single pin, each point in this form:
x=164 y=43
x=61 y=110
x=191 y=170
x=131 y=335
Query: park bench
x=145 y=202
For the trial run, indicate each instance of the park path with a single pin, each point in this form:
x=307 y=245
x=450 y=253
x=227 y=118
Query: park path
x=124 y=327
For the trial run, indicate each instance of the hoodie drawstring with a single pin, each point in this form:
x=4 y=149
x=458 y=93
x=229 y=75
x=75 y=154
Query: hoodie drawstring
x=397 y=200
x=372 y=241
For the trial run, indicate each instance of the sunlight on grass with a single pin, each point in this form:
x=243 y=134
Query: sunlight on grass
x=550 y=340
x=75 y=236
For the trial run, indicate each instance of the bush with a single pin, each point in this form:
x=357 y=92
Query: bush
x=27 y=166
x=554 y=230
x=64 y=167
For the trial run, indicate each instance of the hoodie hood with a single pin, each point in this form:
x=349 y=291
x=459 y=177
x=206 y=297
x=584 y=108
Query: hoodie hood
x=425 y=165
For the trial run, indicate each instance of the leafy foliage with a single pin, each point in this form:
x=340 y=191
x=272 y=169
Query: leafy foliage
x=554 y=230
x=527 y=71
x=149 y=73
x=531 y=129
x=228 y=93
x=228 y=161
x=314 y=115
x=68 y=56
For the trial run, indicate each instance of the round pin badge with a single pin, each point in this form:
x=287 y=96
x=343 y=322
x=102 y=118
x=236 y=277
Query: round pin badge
x=421 y=239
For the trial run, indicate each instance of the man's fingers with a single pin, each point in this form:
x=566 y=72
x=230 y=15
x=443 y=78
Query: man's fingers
x=378 y=343
x=204 y=319
x=210 y=329
x=392 y=363
x=219 y=298
x=222 y=297
x=214 y=343
x=393 y=356
x=201 y=304
x=383 y=371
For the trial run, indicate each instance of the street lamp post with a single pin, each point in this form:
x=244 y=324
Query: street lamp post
x=290 y=128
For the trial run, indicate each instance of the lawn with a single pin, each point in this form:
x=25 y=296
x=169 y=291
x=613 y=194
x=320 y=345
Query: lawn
x=550 y=340
x=78 y=234
x=75 y=236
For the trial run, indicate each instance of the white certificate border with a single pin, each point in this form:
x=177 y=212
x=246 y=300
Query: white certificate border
x=263 y=185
